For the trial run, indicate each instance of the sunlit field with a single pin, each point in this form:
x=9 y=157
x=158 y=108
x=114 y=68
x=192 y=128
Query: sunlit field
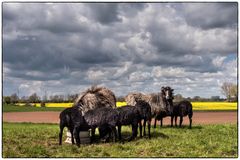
x=196 y=105
x=214 y=106
x=21 y=140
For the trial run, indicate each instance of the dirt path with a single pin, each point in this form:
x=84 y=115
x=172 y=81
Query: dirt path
x=53 y=117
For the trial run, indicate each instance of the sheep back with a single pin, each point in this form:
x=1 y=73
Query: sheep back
x=127 y=114
x=95 y=97
x=101 y=116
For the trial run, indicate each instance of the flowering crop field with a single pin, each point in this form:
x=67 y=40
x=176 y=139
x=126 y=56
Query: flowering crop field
x=215 y=105
x=196 y=105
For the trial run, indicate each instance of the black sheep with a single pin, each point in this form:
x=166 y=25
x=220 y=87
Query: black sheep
x=102 y=117
x=182 y=109
x=145 y=114
x=73 y=119
x=70 y=117
x=167 y=112
x=128 y=115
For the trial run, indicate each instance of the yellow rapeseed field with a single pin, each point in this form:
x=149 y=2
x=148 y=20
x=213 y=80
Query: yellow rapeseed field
x=214 y=105
x=196 y=105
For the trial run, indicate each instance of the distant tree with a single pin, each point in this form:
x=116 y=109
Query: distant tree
x=230 y=91
x=44 y=98
x=120 y=99
x=57 y=98
x=196 y=98
x=71 y=97
x=7 y=99
x=234 y=92
x=23 y=99
x=215 y=98
x=34 y=98
x=14 y=98
x=178 y=97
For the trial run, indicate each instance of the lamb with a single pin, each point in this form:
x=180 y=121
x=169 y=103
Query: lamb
x=69 y=118
x=73 y=119
x=128 y=115
x=102 y=117
x=182 y=109
x=145 y=114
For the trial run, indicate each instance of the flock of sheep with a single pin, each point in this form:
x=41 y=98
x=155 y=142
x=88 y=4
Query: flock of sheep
x=96 y=108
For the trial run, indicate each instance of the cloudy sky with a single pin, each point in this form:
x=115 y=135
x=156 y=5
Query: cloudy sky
x=63 y=48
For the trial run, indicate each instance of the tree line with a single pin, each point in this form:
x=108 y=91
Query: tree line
x=229 y=90
x=34 y=98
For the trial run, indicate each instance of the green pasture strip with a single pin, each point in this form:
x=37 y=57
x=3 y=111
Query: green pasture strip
x=13 y=108
x=41 y=140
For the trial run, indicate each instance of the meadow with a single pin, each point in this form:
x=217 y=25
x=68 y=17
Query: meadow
x=41 y=140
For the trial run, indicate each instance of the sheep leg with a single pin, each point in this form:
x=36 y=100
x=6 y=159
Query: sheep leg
x=71 y=131
x=76 y=135
x=190 y=121
x=181 y=120
x=119 y=132
x=140 y=128
x=93 y=135
x=144 y=125
x=155 y=123
x=172 y=121
x=60 y=134
x=114 y=131
x=149 y=127
x=161 y=121
x=134 y=131
x=175 y=121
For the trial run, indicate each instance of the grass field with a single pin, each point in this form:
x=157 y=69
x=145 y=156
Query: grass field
x=41 y=140
x=13 y=108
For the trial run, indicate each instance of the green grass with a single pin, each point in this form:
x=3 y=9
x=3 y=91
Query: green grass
x=41 y=140
x=13 y=108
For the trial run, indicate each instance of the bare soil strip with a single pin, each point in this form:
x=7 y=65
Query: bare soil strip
x=53 y=117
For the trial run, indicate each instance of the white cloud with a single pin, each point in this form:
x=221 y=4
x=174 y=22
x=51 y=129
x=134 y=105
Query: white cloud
x=218 y=61
x=167 y=72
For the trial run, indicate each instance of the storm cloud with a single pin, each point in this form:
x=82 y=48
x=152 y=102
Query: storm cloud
x=66 y=47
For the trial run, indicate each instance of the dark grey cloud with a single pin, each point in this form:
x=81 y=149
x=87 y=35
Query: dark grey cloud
x=66 y=47
x=105 y=13
x=211 y=15
x=131 y=9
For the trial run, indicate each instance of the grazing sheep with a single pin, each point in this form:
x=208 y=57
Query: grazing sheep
x=69 y=118
x=105 y=117
x=182 y=109
x=128 y=115
x=145 y=114
x=161 y=103
x=76 y=122
x=93 y=97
